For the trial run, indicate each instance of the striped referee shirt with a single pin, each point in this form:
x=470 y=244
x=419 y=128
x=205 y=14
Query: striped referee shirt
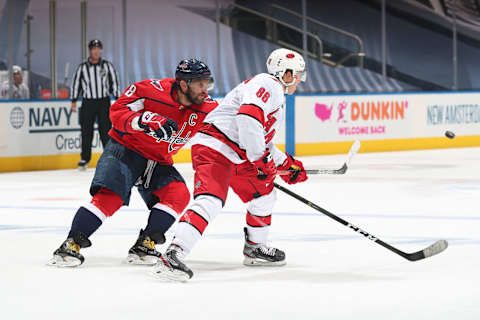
x=95 y=81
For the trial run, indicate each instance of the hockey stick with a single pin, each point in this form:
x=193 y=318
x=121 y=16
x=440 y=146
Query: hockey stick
x=353 y=150
x=432 y=250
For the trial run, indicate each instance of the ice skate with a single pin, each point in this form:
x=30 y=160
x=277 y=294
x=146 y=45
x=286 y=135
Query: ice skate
x=68 y=255
x=170 y=266
x=82 y=165
x=143 y=251
x=257 y=254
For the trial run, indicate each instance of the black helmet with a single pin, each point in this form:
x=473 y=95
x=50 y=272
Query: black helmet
x=189 y=69
x=95 y=43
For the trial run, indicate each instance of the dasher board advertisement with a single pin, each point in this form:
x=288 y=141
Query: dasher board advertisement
x=331 y=118
x=42 y=128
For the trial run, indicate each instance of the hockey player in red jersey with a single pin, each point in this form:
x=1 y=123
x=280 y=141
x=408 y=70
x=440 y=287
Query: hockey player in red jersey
x=152 y=120
x=234 y=149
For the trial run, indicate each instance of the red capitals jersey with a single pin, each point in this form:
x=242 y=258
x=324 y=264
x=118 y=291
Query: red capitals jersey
x=156 y=96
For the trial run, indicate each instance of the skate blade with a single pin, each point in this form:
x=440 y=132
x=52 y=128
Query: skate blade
x=162 y=272
x=64 y=262
x=134 y=259
x=252 y=262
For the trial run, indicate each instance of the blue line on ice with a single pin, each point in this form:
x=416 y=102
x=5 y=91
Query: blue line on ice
x=57 y=230
x=367 y=215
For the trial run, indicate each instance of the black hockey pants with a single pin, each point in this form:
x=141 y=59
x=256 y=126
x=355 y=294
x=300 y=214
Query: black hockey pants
x=91 y=110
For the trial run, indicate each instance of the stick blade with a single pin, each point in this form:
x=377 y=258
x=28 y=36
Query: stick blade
x=432 y=250
x=342 y=170
x=435 y=248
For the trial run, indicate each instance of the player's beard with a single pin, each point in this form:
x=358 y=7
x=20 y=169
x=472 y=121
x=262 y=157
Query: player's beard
x=194 y=100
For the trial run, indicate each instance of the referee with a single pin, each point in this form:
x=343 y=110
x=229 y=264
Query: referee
x=94 y=81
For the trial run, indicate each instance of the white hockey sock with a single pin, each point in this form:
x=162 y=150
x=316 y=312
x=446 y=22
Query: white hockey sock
x=259 y=217
x=258 y=235
x=186 y=236
x=193 y=223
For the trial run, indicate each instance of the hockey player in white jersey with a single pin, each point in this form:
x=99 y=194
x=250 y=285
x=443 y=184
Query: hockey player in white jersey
x=234 y=149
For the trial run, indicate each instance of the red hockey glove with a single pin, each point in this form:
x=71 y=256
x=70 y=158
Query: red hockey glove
x=161 y=127
x=296 y=170
x=265 y=166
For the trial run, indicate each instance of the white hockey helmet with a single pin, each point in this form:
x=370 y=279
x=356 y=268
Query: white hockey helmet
x=281 y=60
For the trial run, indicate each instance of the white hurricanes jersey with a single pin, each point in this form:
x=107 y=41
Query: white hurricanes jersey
x=246 y=121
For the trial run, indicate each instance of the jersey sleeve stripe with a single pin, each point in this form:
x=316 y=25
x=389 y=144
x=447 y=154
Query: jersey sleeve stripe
x=127 y=124
x=136 y=105
x=248 y=115
x=211 y=130
x=253 y=111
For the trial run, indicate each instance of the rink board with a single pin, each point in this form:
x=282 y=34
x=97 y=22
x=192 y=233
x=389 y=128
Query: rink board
x=44 y=135
x=41 y=135
x=328 y=124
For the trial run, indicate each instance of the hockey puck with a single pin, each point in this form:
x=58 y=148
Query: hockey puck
x=449 y=134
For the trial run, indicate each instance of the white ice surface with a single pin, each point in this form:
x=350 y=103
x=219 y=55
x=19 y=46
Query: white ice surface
x=408 y=199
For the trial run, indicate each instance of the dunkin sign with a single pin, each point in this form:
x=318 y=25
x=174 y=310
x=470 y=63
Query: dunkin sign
x=365 y=116
x=339 y=118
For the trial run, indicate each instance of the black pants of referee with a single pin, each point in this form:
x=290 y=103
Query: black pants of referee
x=91 y=110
